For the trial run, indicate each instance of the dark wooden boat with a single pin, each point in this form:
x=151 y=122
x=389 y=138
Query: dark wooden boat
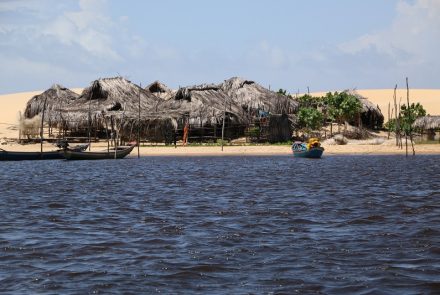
x=120 y=153
x=23 y=156
x=312 y=149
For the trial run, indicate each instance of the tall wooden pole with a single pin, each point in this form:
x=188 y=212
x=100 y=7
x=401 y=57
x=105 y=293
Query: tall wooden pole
x=42 y=126
x=389 y=122
x=397 y=121
x=90 y=123
x=139 y=122
x=223 y=126
x=410 y=117
x=106 y=133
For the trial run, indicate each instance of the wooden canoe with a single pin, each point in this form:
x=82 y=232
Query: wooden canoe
x=22 y=156
x=120 y=153
x=50 y=155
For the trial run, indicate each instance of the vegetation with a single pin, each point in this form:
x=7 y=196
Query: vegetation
x=310 y=119
x=407 y=118
x=409 y=115
x=338 y=107
x=283 y=92
x=342 y=106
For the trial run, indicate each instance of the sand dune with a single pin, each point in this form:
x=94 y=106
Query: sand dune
x=10 y=107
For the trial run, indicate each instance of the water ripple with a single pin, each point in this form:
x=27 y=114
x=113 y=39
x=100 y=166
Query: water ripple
x=341 y=225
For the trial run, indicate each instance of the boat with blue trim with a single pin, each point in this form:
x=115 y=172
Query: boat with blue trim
x=310 y=149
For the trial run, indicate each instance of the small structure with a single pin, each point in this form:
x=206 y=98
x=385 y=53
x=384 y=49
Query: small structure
x=56 y=98
x=430 y=124
x=51 y=101
x=371 y=115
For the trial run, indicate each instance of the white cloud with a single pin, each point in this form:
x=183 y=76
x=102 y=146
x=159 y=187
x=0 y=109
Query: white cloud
x=89 y=28
x=412 y=39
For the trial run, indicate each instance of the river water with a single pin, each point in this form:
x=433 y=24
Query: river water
x=221 y=225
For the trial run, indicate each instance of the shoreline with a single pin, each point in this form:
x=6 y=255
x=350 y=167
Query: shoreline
x=351 y=149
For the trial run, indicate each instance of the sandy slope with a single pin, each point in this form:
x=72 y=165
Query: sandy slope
x=10 y=107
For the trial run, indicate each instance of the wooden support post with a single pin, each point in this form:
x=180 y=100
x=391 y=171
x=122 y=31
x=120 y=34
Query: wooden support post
x=389 y=122
x=106 y=132
x=410 y=118
x=42 y=126
x=223 y=126
x=396 y=118
x=90 y=123
x=139 y=123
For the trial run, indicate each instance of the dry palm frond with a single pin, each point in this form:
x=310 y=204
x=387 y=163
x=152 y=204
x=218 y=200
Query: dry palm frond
x=427 y=122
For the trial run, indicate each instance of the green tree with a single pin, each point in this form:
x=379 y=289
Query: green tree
x=390 y=125
x=342 y=107
x=409 y=115
x=310 y=119
x=307 y=101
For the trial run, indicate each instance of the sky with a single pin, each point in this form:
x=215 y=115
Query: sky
x=289 y=44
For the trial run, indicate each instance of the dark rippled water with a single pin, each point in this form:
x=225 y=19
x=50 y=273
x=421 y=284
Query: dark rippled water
x=221 y=225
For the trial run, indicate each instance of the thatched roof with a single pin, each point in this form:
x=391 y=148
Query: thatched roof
x=56 y=97
x=160 y=90
x=201 y=104
x=371 y=114
x=427 y=122
x=106 y=97
x=249 y=94
x=367 y=106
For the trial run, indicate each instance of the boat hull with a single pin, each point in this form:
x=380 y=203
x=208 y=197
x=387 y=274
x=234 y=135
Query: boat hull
x=29 y=156
x=119 y=154
x=314 y=153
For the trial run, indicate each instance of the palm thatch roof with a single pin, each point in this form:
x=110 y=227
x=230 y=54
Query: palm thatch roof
x=116 y=97
x=116 y=100
x=201 y=104
x=427 y=122
x=366 y=104
x=251 y=95
x=371 y=114
x=56 y=97
x=160 y=90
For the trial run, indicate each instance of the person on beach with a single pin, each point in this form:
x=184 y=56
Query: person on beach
x=185 y=133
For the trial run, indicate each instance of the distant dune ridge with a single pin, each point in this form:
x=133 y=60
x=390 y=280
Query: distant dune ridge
x=13 y=104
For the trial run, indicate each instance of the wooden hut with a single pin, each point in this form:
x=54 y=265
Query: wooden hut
x=371 y=115
x=429 y=124
x=253 y=96
x=203 y=106
x=52 y=101
x=113 y=103
x=56 y=97
x=271 y=114
x=105 y=104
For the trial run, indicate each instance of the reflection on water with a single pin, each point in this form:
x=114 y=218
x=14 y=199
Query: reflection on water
x=223 y=225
